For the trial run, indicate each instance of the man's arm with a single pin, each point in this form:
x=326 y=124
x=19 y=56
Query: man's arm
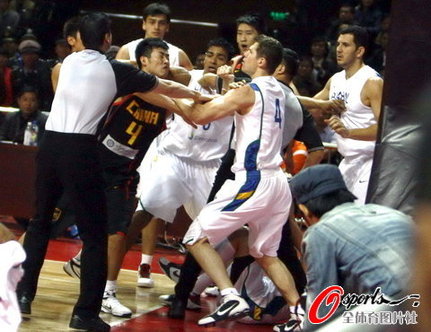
x=321 y=100
x=371 y=95
x=55 y=73
x=176 y=90
x=123 y=53
x=164 y=102
x=180 y=75
x=184 y=60
x=5 y=234
x=238 y=100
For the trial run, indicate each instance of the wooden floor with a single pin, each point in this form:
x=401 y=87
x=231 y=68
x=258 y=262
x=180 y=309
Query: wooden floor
x=57 y=294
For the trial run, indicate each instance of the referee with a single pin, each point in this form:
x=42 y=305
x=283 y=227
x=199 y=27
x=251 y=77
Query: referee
x=68 y=162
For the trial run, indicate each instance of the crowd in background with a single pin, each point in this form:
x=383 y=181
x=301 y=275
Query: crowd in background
x=25 y=62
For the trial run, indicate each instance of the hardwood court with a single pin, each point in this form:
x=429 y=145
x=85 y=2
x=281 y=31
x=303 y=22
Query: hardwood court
x=57 y=293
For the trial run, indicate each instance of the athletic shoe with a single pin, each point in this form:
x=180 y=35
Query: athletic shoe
x=293 y=325
x=193 y=302
x=89 y=324
x=172 y=270
x=111 y=305
x=212 y=291
x=144 y=276
x=73 y=268
x=231 y=307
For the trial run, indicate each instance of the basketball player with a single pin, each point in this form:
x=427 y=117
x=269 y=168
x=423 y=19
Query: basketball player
x=183 y=168
x=259 y=195
x=360 y=87
x=156 y=19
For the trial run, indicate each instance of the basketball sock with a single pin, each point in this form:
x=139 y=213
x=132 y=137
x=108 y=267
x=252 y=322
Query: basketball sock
x=146 y=259
x=228 y=291
x=111 y=286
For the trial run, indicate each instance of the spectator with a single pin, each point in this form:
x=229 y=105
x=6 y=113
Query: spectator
x=346 y=16
x=111 y=53
x=9 y=18
x=6 y=91
x=369 y=16
x=33 y=72
x=25 y=10
x=304 y=79
x=324 y=66
x=62 y=49
x=359 y=248
x=14 y=125
x=10 y=46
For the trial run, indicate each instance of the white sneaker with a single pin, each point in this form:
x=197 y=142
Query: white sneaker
x=111 y=305
x=231 y=307
x=73 y=268
x=144 y=276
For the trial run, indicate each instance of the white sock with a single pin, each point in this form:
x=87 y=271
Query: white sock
x=146 y=259
x=111 y=286
x=228 y=291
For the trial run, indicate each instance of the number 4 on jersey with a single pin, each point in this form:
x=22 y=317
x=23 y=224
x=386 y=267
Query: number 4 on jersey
x=277 y=117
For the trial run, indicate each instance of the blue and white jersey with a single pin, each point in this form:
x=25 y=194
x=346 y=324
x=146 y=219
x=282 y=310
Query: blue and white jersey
x=259 y=132
x=204 y=143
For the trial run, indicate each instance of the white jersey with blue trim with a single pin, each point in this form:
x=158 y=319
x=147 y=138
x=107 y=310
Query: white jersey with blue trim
x=259 y=132
x=174 y=52
x=357 y=115
x=207 y=142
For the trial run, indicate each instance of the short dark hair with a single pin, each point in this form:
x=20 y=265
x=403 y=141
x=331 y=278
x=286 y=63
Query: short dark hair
x=93 y=27
x=255 y=20
x=271 y=49
x=320 y=205
x=223 y=43
x=146 y=46
x=347 y=4
x=291 y=61
x=157 y=8
x=28 y=88
x=360 y=35
x=71 y=27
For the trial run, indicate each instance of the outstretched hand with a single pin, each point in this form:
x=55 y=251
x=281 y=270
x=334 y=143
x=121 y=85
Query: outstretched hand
x=333 y=106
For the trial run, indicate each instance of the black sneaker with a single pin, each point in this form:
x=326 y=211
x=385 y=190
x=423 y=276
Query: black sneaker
x=231 y=307
x=172 y=270
x=89 y=324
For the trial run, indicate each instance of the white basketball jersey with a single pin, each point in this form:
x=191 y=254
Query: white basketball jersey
x=259 y=132
x=207 y=142
x=174 y=57
x=357 y=115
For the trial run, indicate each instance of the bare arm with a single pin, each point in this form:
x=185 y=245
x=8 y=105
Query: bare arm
x=180 y=75
x=164 y=102
x=5 y=234
x=123 y=53
x=314 y=158
x=184 y=60
x=239 y=100
x=54 y=76
x=175 y=90
x=371 y=95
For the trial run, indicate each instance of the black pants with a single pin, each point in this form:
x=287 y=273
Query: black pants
x=70 y=163
x=191 y=269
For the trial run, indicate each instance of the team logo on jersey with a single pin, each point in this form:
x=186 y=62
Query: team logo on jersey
x=110 y=143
